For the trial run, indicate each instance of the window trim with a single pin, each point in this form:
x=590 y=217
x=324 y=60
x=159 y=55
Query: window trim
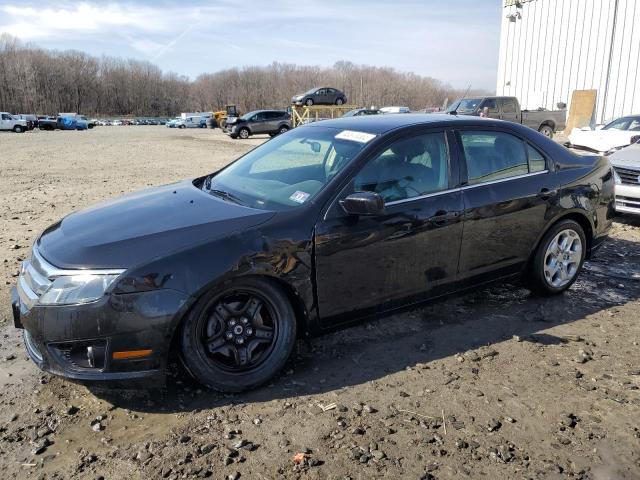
x=449 y=152
x=462 y=159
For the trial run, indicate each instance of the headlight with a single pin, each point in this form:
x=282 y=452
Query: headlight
x=72 y=289
x=616 y=177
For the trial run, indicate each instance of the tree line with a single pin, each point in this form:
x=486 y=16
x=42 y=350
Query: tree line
x=34 y=80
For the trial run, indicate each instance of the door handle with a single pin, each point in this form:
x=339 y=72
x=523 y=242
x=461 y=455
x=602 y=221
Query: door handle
x=442 y=217
x=546 y=193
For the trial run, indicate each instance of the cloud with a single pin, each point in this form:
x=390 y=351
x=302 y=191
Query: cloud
x=453 y=40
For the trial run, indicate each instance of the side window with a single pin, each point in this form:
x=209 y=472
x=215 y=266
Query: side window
x=491 y=104
x=509 y=105
x=409 y=168
x=330 y=91
x=493 y=156
x=258 y=117
x=6 y=117
x=537 y=162
x=635 y=125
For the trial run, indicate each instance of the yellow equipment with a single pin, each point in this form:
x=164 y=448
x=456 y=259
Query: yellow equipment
x=221 y=115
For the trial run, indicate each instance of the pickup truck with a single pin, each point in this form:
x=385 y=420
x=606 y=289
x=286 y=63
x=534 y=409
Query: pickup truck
x=76 y=122
x=546 y=122
x=9 y=122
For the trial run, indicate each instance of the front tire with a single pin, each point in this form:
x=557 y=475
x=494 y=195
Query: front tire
x=339 y=101
x=244 y=133
x=18 y=129
x=558 y=259
x=309 y=102
x=239 y=336
x=546 y=130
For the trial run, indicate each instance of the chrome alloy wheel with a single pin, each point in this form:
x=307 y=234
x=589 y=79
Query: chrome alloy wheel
x=562 y=258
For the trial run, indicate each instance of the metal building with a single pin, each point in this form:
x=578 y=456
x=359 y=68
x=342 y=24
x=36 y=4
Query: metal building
x=548 y=48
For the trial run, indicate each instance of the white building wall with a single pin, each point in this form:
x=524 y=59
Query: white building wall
x=548 y=48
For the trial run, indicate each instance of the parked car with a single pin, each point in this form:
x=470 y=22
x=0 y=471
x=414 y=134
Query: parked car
x=320 y=96
x=9 y=122
x=546 y=122
x=32 y=120
x=613 y=136
x=328 y=224
x=395 y=110
x=359 y=112
x=70 y=122
x=272 y=122
x=173 y=123
x=626 y=165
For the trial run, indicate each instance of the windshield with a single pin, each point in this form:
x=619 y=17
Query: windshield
x=289 y=170
x=624 y=123
x=466 y=105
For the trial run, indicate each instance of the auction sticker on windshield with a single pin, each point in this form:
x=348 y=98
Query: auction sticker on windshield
x=299 y=197
x=361 y=137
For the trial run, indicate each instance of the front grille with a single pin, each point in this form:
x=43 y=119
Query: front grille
x=628 y=176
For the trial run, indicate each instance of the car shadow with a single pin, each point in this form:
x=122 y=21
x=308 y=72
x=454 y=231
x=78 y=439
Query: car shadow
x=455 y=325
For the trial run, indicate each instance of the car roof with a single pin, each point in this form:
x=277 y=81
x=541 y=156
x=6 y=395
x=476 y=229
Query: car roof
x=378 y=124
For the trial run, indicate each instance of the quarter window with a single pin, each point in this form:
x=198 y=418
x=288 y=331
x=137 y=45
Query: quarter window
x=409 y=168
x=493 y=156
x=537 y=162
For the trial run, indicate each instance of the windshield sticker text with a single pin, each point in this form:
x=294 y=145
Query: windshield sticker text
x=299 y=197
x=360 y=137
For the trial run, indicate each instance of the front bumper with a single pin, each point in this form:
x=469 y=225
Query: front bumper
x=80 y=341
x=627 y=199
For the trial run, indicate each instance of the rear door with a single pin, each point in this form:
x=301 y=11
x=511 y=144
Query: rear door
x=367 y=263
x=507 y=195
x=510 y=109
x=5 y=121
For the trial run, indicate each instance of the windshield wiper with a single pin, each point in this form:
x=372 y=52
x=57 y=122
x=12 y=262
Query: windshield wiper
x=226 y=195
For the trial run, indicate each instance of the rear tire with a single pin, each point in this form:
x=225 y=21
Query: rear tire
x=239 y=336
x=282 y=129
x=558 y=259
x=546 y=130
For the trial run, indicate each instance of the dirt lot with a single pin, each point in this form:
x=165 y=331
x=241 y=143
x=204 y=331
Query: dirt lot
x=495 y=384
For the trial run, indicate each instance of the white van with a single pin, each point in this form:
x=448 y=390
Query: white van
x=190 y=122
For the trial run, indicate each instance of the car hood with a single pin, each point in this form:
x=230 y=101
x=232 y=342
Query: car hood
x=136 y=228
x=628 y=157
x=601 y=140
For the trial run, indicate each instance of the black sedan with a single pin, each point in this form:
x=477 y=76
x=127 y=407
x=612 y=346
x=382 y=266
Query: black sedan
x=322 y=226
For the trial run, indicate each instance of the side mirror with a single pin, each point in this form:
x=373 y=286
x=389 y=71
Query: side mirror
x=561 y=105
x=363 y=203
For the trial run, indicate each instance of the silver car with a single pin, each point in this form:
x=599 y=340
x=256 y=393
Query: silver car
x=320 y=96
x=626 y=167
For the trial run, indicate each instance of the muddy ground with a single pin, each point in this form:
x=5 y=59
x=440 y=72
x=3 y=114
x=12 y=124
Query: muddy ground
x=495 y=384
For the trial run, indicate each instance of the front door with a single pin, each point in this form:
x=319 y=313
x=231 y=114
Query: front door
x=506 y=199
x=368 y=263
x=5 y=122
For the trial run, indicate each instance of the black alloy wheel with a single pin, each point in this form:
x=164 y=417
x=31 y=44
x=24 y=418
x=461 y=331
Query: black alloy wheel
x=240 y=337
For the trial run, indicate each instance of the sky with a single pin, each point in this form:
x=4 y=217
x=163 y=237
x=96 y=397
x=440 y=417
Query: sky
x=455 y=41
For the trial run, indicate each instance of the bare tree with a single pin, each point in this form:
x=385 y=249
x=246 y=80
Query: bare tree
x=48 y=82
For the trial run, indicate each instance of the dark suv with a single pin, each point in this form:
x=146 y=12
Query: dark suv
x=273 y=122
x=320 y=96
